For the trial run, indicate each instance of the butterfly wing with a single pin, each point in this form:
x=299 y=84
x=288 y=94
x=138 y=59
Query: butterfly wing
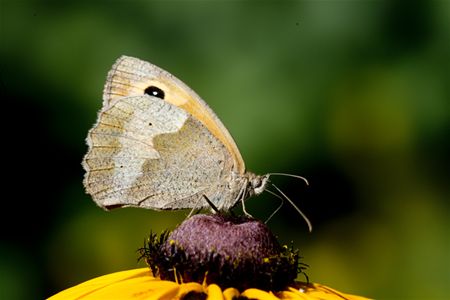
x=130 y=76
x=146 y=152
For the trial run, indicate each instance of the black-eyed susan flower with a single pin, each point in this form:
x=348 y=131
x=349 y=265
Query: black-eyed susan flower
x=140 y=284
x=210 y=257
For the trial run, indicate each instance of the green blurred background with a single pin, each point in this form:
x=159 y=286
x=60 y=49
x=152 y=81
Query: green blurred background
x=353 y=95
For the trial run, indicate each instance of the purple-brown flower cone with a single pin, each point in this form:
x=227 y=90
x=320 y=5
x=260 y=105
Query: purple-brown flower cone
x=230 y=251
x=240 y=238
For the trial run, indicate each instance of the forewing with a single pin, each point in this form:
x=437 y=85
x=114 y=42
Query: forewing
x=130 y=76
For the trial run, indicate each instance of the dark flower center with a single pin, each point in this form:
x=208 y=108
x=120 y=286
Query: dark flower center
x=229 y=251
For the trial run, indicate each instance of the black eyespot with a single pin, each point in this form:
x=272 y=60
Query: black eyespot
x=154 y=92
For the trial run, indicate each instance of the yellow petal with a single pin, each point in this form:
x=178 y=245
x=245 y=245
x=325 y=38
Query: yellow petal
x=259 y=294
x=140 y=284
x=297 y=294
x=160 y=293
x=190 y=287
x=131 y=284
x=230 y=293
x=316 y=291
x=292 y=295
x=214 y=292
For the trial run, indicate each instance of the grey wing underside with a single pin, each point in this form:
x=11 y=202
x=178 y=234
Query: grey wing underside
x=145 y=152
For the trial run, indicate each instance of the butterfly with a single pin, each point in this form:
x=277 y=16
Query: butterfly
x=157 y=145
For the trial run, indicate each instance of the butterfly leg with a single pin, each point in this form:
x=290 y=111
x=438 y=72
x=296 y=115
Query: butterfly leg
x=245 y=212
x=197 y=208
x=213 y=207
x=193 y=211
x=242 y=197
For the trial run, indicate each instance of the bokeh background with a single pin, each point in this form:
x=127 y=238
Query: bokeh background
x=353 y=95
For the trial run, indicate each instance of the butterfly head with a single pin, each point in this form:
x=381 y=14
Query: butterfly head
x=258 y=183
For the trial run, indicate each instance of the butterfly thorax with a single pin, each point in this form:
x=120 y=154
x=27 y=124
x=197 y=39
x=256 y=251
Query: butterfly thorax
x=241 y=187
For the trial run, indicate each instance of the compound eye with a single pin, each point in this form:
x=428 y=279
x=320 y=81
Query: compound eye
x=256 y=182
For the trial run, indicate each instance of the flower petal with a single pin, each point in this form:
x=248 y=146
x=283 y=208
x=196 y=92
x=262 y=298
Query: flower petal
x=318 y=291
x=140 y=284
x=214 y=292
x=292 y=295
x=230 y=293
x=131 y=284
x=189 y=287
x=259 y=294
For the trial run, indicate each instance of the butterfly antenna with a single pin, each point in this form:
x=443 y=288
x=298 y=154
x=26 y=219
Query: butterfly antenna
x=295 y=206
x=290 y=175
x=278 y=208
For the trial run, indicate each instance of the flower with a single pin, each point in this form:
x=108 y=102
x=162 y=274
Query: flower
x=210 y=257
x=141 y=284
x=229 y=251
